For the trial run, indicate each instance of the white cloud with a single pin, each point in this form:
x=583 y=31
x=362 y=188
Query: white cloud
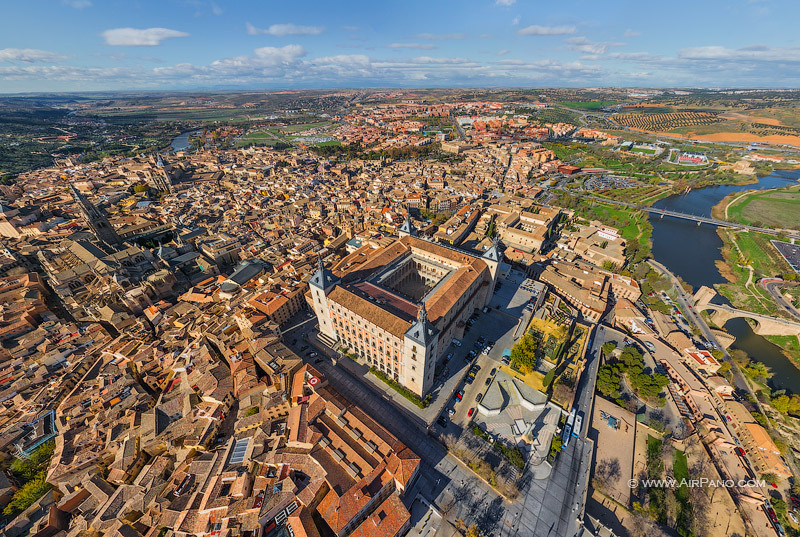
x=505 y=2
x=632 y=33
x=77 y=4
x=282 y=30
x=582 y=44
x=440 y=37
x=547 y=30
x=753 y=53
x=29 y=55
x=515 y=21
x=418 y=46
x=136 y=37
x=503 y=52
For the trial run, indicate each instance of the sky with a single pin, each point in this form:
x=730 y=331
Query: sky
x=94 y=45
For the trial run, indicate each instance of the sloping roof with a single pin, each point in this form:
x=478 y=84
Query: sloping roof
x=363 y=307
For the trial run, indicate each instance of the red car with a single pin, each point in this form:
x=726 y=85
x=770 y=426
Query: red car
x=741 y=452
x=471 y=412
x=459 y=395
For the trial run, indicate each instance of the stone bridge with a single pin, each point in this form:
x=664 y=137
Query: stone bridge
x=765 y=325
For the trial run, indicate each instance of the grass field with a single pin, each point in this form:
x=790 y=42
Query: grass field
x=645 y=195
x=633 y=225
x=258 y=138
x=643 y=150
x=743 y=251
x=778 y=208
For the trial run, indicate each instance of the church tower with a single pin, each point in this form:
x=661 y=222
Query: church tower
x=96 y=219
x=407 y=229
x=321 y=283
x=420 y=350
x=493 y=257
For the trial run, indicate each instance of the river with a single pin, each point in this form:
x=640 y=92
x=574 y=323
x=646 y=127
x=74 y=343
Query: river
x=691 y=252
x=181 y=142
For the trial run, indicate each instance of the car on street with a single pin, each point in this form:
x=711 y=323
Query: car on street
x=493 y=371
x=650 y=346
x=318 y=361
x=449 y=355
x=469 y=379
x=460 y=395
x=478 y=398
x=470 y=412
x=457 y=343
x=451 y=411
x=304 y=347
x=442 y=421
x=311 y=354
x=488 y=381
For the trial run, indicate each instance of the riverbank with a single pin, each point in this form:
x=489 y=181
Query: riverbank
x=695 y=254
x=777 y=208
x=746 y=258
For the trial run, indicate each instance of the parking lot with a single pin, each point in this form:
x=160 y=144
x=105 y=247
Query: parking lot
x=503 y=325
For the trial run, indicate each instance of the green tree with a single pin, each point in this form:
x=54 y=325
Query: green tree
x=523 y=354
x=608 y=347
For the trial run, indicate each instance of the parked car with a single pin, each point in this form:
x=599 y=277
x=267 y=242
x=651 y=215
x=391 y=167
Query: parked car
x=469 y=380
x=318 y=361
x=451 y=411
x=488 y=381
x=311 y=354
x=470 y=412
x=442 y=421
x=460 y=395
x=478 y=398
x=493 y=371
x=457 y=343
x=449 y=355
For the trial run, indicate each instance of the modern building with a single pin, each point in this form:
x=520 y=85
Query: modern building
x=399 y=306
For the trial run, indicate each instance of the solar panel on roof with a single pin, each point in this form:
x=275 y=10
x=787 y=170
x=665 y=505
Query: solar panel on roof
x=239 y=450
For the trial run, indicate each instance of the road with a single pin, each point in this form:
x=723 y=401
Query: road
x=773 y=287
x=551 y=506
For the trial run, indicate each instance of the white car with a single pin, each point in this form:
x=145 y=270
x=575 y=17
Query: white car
x=457 y=343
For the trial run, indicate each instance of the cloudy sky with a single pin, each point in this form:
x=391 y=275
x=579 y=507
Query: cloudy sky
x=69 y=45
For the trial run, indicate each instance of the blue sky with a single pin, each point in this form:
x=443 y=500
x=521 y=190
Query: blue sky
x=75 y=45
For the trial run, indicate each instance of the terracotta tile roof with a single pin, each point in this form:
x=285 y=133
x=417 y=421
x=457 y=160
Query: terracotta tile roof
x=448 y=294
x=366 y=309
x=387 y=520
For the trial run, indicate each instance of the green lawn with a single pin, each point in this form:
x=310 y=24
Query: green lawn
x=776 y=208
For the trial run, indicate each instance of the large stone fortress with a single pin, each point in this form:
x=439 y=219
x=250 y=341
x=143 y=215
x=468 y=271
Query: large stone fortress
x=399 y=306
